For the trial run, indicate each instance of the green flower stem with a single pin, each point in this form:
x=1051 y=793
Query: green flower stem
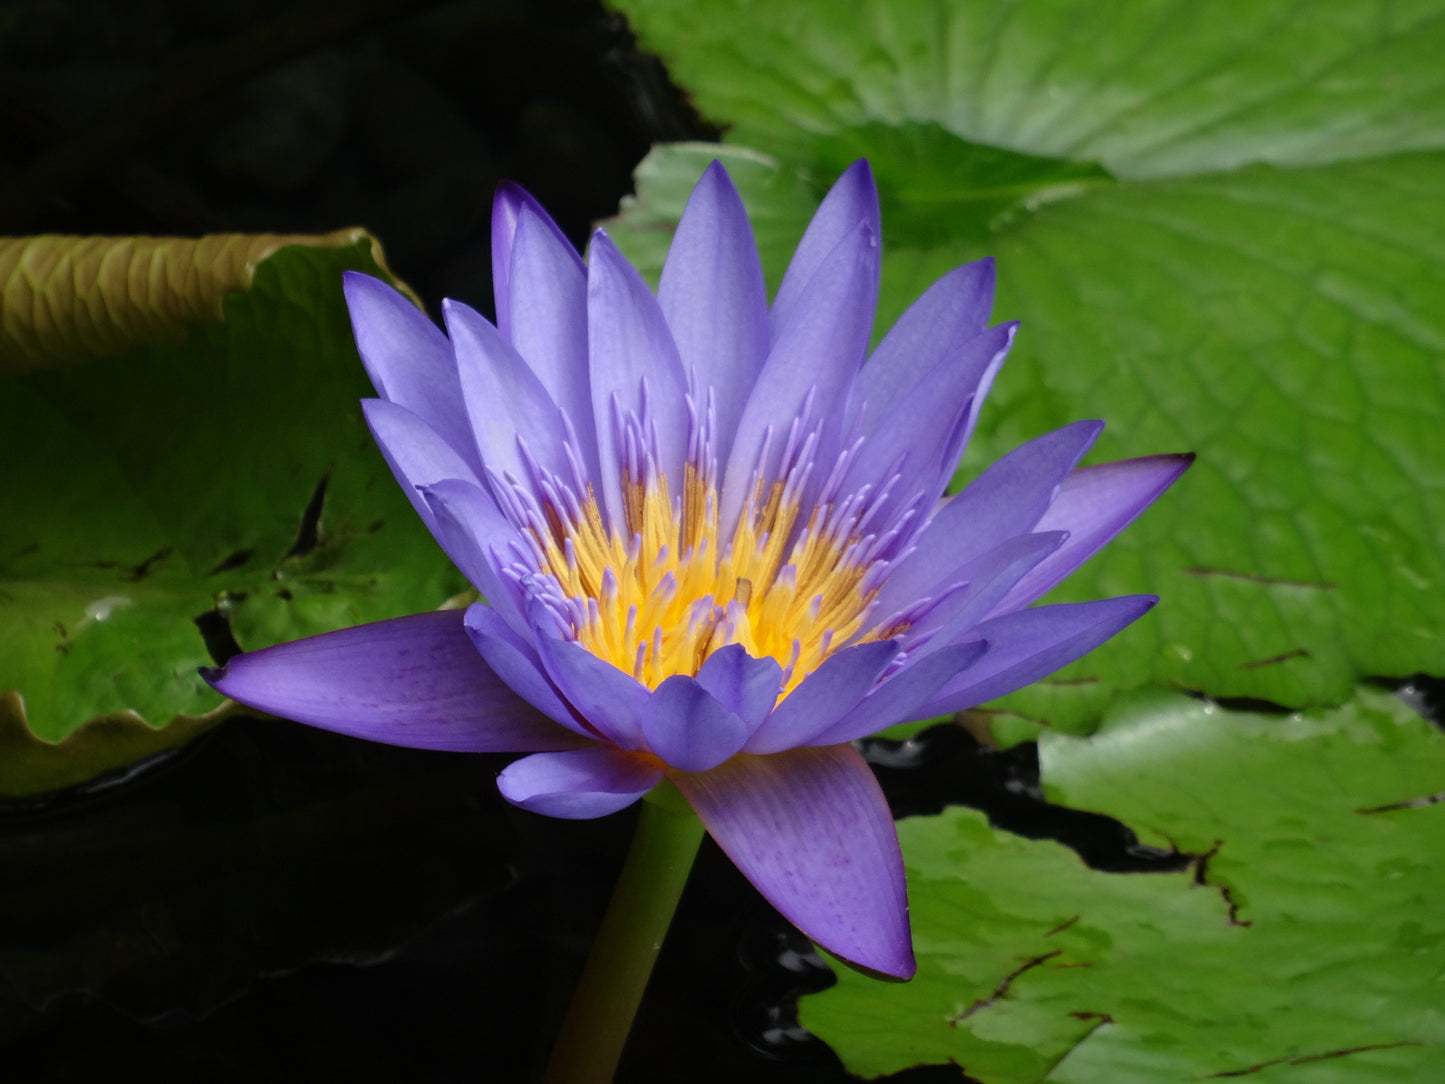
x=606 y=999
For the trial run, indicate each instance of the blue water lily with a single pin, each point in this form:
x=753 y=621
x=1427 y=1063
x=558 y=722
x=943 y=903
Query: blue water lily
x=713 y=540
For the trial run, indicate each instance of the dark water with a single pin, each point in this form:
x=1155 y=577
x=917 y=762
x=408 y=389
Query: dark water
x=276 y=903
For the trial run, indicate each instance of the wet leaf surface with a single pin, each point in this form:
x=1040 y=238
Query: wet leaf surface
x=1305 y=931
x=168 y=500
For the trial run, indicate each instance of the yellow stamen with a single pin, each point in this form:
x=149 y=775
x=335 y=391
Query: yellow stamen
x=666 y=594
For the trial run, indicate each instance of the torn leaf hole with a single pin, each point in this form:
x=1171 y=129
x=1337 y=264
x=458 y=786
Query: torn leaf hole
x=1254 y=705
x=1423 y=694
x=234 y=561
x=215 y=629
x=308 y=534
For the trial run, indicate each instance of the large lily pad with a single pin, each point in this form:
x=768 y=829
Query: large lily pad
x=226 y=477
x=1223 y=232
x=1305 y=943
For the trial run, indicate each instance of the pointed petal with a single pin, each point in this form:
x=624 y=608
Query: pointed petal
x=985 y=581
x=408 y=359
x=933 y=329
x=634 y=364
x=1031 y=644
x=470 y=527
x=688 y=728
x=508 y=407
x=746 y=686
x=416 y=454
x=1094 y=504
x=516 y=662
x=610 y=701
x=579 y=784
x=920 y=437
x=549 y=322
x=415 y=681
x=853 y=200
x=823 y=696
x=811 y=830
x=1005 y=501
x=713 y=297
x=815 y=354
x=900 y=698
x=508 y=204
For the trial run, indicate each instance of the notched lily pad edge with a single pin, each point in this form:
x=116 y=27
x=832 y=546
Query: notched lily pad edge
x=100 y=752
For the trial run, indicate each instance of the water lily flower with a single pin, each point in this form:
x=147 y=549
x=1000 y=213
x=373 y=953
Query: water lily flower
x=713 y=540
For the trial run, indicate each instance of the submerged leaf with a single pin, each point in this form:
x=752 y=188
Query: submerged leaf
x=30 y=765
x=65 y=300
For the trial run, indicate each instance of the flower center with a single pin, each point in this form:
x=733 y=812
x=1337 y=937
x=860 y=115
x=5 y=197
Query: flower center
x=659 y=599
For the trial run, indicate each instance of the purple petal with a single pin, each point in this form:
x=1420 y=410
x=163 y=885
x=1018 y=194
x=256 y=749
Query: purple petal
x=688 y=728
x=853 y=200
x=901 y=697
x=919 y=438
x=1005 y=501
x=811 y=830
x=963 y=432
x=610 y=701
x=815 y=355
x=713 y=297
x=936 y=327
x=508 y=204
x=470 y=526
x=746 y=686
x=516 y=662
x=823 y=696
x=579 y=784
x=549 y=321
x=1094 y=504
x=408 y=359
x=635 y=368
x=508 y=407
x=983 y=582
x=415 y=681
x=1031 y=644
x=416 y=454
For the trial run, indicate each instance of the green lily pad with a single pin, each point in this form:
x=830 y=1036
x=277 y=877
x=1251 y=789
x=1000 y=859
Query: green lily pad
x=1149 y=90
x=224 y=475
x=1305 y=943
x=1174 y=279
